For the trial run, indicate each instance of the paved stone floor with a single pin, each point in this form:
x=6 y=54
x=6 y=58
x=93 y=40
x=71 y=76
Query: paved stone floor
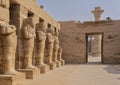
x=91 y=73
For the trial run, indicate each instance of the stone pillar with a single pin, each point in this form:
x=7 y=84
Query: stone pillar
x=97 y=12
x=8 y=43
x=49 y=48
x=41 y=38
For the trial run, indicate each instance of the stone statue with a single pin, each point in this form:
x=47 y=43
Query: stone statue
x=60 y=56
x=56 y=46
x=28 y=42
x=8 y=43
x=49 y=45
x=41 y=38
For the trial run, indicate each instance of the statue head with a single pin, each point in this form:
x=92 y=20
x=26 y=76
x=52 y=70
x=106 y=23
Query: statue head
x=41 y=26
x=50 y=30
x=30 y=21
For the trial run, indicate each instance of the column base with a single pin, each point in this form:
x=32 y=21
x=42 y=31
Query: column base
x=30 y=73
x=44 y=68
x=12 y=79
x=52 y=65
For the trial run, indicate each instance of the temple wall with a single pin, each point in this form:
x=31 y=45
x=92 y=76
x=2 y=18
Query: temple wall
x=73 y=40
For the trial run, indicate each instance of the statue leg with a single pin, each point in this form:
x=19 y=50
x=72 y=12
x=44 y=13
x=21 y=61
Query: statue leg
x=8 y=52
x=50 y=53
x=40 y=53
x=28 y=53
x=55 y=53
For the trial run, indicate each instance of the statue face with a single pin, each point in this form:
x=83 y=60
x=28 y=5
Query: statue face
x=41 y=27
x=30 y=21
x=50 y=30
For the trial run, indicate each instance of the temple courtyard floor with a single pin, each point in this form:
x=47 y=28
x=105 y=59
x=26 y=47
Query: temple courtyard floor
x=92 y=73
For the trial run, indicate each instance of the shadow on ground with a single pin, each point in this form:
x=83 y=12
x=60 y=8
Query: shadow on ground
x=112 y=69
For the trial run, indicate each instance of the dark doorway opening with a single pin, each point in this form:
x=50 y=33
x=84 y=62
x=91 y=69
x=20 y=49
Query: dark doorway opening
x=94 y=47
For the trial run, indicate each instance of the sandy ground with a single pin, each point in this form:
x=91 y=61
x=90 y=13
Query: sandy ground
x=92 y=73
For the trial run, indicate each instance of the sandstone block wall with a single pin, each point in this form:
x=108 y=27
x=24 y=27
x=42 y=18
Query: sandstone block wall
x=73 y=40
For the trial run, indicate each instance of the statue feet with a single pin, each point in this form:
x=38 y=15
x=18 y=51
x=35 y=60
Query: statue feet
x=12 y=72
x=41 y=65
x=30 y=67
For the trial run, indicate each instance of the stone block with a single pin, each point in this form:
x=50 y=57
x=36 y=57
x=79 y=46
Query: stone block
x=30 y=73
x=52 y=65
x=12 y=79
x=58 y=63
x=44 y=68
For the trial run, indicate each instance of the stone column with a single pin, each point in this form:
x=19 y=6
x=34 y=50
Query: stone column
x=97 y=12
x=8 y=42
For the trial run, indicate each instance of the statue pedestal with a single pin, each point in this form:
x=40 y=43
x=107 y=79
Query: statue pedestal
x=44 y=68
x=12 y=79
x=30 y=73
x=58 y=63
x=52 y=65
x=62 y=62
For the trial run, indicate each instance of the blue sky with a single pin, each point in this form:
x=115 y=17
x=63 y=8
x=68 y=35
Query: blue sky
x=80 y=10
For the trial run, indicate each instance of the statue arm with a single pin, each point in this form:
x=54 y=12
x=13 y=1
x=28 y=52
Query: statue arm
x=41 y=36
x=8 y=29
x=50 y=38
x=27 y=33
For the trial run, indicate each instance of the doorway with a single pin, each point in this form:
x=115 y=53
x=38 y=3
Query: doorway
x=94 y=47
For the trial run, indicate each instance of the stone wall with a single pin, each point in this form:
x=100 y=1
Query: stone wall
x=73 y=40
